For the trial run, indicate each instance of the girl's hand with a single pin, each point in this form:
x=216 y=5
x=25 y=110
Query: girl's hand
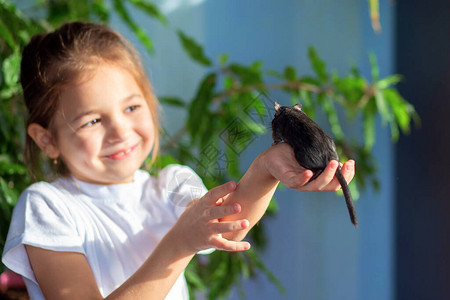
x=199 y=227
x=280 y=162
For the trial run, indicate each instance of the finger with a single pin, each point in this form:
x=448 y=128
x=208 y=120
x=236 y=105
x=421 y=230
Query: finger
x=348 y=170
x=220 y=243
x=218 y=212
x=220 y=191
x=323 y=181
x=229 y=226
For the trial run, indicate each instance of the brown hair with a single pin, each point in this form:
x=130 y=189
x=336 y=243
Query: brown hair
x=52 y=61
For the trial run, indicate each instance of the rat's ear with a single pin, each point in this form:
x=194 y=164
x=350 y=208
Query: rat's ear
x=298 y=107
x=277 y=106
x=44 y=139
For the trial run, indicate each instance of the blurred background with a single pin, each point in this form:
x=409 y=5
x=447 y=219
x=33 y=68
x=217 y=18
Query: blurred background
x=401 y=249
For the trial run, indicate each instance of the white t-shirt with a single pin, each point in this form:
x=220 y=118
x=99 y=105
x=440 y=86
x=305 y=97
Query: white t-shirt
x=116 y=227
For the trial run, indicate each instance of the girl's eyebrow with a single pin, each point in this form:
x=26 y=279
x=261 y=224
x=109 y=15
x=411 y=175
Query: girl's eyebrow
x=82 y=114
x=132 y=96
x=93 y=111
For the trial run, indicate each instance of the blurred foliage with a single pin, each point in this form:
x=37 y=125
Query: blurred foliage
x=230 y=109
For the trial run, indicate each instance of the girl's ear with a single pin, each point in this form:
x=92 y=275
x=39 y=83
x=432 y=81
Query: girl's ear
x=44 y=139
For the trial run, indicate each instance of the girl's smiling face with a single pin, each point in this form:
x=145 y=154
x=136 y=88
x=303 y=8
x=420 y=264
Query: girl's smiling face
x=103 y=130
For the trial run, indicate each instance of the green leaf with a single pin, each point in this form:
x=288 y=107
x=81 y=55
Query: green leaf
x=275 y=74
x=254 y=107
x=388 y=81
x=333 y=119
x=255 y=128
x=375 y=71
x=193 y=49
x=100 y=9
x=382 y=107
x=245 y=74
x=256 y=66
x=354 y=71
x=310 y=80
x=9 y=92
x=394 y=131
x=79 y=10
x=223 y=59
x=193 y=278
x=307 y=103
x=232 y=163
x=401 y=109
x=369 y=114
x=8 y=167
x=138 y=31
x=318 y=64
x=9 y=194
x=290 y=73
x=10 y=69
x=172 y=101
x=6 y=35
x=350 y=87
x=145 y=39
x=199 y=107
x=150 y=9
x=273 y=207
x=354 y=190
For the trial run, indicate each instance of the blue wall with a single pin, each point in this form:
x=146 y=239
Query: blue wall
x=313 y=249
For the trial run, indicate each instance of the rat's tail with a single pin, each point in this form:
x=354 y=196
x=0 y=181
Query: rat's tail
x=348 y=196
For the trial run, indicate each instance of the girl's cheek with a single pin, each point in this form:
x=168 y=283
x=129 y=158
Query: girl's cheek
x=88 y=145
x=144 y=125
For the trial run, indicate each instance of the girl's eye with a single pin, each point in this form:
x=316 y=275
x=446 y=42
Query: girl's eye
x=131 y=108
x=91 y=123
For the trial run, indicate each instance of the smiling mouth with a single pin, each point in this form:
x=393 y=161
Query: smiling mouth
x=123 y=153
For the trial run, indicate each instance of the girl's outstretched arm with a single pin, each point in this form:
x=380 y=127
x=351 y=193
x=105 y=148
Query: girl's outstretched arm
x=67 y=275
x=274 y=165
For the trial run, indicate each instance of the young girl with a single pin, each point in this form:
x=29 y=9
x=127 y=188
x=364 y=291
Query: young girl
x=104 y=228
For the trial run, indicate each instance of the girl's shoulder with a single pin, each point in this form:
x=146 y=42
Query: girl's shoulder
x=42 y=196
x=49 y=189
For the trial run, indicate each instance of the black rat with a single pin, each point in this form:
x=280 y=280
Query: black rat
x=313 y=148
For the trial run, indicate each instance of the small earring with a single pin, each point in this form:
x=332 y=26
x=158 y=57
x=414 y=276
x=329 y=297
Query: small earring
x=55 y=161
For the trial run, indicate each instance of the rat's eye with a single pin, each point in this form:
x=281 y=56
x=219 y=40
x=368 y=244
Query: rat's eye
x=91 y=123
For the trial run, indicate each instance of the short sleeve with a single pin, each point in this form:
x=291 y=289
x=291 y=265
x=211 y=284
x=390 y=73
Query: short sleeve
x=40 y=219
x=180 y=185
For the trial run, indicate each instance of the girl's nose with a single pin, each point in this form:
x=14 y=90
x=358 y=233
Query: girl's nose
x=118 y=131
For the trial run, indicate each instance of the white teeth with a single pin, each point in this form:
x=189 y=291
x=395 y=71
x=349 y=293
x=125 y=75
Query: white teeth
x=124 y=152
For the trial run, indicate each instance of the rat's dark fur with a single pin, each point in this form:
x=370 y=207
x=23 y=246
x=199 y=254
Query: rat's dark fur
x=313 y=148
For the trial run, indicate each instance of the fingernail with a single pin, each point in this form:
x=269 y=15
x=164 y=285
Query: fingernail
x=309 y=173
x=244 y=224
x=247 y=246
x=334 y=164
x=351 y=164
